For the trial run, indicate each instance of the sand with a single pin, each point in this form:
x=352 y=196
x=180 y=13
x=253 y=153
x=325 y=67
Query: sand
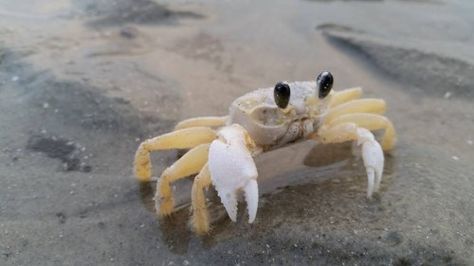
x=83 y=82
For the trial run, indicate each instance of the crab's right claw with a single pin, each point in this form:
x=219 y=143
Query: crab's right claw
x=232 y=168
x=373 y=158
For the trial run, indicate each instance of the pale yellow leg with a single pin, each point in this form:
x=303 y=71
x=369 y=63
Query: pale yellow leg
x=343 y=96
x=338 y=133
x=370 y=122
x=179 y=139
x=376 y=106
x=200 y=218
x=191 y=163
x=206 y=121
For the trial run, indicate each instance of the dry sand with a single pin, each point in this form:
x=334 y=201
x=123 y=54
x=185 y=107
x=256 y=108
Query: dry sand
x=82 y=82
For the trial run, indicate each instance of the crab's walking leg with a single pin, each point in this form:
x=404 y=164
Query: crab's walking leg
x=376 y=106
x=370 y=122
x=372 y=153
x=189 y=164
x=343 y=96
x=179 y=139
x=200 y=219
x=204 y=121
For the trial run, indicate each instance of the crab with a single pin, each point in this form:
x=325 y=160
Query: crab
x=221 y=149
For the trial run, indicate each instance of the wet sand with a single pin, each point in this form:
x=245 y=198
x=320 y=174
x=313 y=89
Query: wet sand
x=83 y=82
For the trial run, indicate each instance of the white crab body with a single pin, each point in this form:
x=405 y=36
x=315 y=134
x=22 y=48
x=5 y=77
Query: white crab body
x=256 y=115
x=259 y=121
x=268 y=125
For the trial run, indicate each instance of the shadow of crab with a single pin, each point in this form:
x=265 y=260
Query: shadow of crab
x=324 y=184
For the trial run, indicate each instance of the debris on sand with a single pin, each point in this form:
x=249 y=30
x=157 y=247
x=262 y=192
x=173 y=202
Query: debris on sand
x=59 y=148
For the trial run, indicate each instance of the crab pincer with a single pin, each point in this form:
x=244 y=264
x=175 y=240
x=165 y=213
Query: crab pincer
x=372 y=155
x=233 y=169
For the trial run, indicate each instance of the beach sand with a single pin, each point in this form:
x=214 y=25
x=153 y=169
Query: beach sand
x=83 y=82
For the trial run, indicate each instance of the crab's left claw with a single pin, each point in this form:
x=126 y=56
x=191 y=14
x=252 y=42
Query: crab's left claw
x=232 y=169
x=373 y=158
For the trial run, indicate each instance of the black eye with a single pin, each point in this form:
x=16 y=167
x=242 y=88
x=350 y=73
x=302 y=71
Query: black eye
x=324 y=82
x=281 y=94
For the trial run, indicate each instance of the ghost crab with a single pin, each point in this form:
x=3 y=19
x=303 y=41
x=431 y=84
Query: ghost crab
x=222 y=148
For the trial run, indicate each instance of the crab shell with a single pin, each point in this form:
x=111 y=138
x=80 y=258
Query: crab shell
x=270 y=126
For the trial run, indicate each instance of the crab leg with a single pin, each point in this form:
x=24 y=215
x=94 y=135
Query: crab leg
x=372 y=153
x=189 y=164
x=370 y=122
x=179 y=139
x=376 y=106
x=343 y=96
x=207 y=121
x=232 y=168
x=200 y=219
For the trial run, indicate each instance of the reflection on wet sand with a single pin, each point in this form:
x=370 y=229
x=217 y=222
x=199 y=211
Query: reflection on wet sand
x=316 y=167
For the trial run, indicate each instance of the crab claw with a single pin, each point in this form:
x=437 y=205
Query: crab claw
x=373 y=158
x=232 y=169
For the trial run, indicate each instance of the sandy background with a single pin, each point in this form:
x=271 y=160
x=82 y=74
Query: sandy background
x=83 y=82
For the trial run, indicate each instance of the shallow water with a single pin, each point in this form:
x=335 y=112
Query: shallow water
x=93 y=78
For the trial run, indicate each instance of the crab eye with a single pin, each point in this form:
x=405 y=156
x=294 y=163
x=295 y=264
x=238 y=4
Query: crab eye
x=281 y=94
x=324 y=82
